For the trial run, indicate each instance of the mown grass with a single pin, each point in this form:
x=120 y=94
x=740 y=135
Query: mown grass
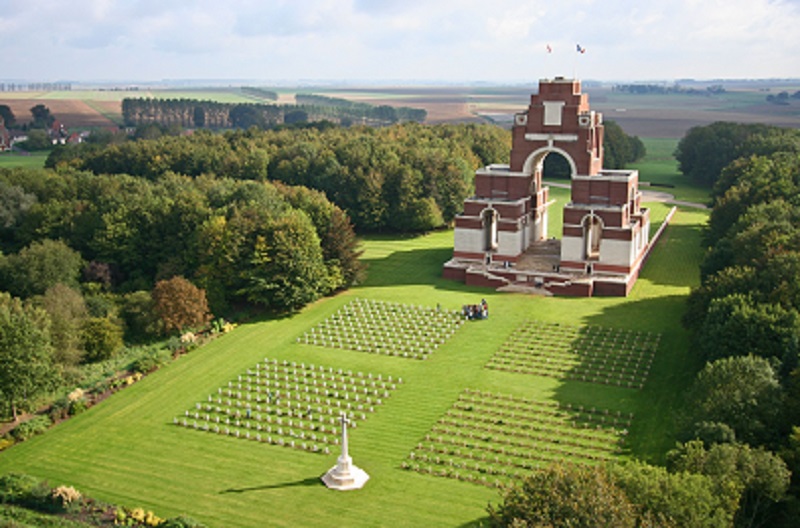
x=28 y=161
x=659 y=167
x=127 y=451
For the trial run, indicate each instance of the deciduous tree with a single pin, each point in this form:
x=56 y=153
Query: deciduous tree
x=180 y=304
x=26 y=357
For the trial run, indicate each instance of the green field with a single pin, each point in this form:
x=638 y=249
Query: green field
x=128 y=450
x=28 y=161
x=660 y=167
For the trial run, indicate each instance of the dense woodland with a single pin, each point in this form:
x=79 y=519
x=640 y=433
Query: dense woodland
x=738 y=460
x=192 y=113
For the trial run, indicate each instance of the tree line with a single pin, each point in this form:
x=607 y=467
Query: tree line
x=91 y=262
x=190 y=113
x=406 y=177
x=737 y=462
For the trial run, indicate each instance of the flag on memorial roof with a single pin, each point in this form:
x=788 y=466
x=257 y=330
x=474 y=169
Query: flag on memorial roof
x=580 y=49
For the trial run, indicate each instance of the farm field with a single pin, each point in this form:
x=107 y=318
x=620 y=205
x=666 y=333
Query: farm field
x=134 y=449
x=656 y=116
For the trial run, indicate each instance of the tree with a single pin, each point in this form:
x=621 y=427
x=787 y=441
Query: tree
x=756 y=477
x=679 y=499
x=742 y=392
x=619 y=149
x=67 y=310
x=180 y=305
x=37 y=140
x=39 y=266
x=7 y=116
x=735 y=325
x=26 y=357
x=563 y=495
x=285 y=269
x=42 y=118
x=102 y=339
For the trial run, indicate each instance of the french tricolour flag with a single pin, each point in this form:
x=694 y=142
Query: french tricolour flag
x=580 y=49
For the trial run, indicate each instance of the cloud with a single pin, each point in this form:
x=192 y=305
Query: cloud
x=503 y=40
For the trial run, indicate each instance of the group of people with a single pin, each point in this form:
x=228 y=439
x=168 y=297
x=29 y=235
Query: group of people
x=476 y=311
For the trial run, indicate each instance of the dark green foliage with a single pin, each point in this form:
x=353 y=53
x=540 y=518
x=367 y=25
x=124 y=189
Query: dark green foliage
x=40 y=266
x=754 y=478
x=705 y=151
x=16 y=488
x=753 y=181
x=42 y=118
x=741 y=392
x=619 y=149
x=565 y=496
x=7 y=115
x=677 y=499
x=37 y=140
x=150 y=361
x=102 y=339
x=35 y=426
x=137 y=312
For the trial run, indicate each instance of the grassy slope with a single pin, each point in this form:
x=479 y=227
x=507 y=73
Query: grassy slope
x=127 y=451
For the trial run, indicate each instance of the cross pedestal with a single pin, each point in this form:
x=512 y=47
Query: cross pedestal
x=345 y=475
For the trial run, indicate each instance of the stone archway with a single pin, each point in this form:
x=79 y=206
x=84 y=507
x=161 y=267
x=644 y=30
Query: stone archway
x=535 y=161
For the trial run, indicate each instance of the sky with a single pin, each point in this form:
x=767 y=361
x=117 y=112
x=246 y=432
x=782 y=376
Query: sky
x=400 y=41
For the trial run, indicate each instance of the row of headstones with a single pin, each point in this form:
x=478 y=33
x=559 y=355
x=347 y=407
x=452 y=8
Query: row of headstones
x=310 y=409
x=577 y=367
x=552 y=418
x=313 y=371
x=475 y=470
x=586 y=359
x=407 y=354
x=308 y=384
x=632 y=383
x=500 y=446
x=609 y=346
x=363 y=345
x=588 y=426
x=279 y=440
x=508 y=401
x=532 y=434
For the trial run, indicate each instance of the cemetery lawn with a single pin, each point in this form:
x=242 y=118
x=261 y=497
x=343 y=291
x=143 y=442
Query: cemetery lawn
x=128 y=451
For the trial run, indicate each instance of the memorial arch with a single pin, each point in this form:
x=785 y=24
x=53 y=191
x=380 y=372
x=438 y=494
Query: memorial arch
x=605 y=229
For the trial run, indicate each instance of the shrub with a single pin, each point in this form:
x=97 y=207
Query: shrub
x=182 y=522
x=59 y=409
x=78 y=406
x=150 y=361
x=16 y=488
x=34 y=426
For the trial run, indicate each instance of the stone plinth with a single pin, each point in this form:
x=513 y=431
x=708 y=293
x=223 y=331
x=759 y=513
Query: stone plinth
x=345 y=475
